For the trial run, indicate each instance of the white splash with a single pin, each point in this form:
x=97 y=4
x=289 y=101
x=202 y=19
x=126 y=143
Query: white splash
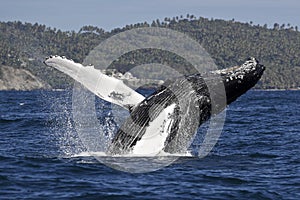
x=131 y=155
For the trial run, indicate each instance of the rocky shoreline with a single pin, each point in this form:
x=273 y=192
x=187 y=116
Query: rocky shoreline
x=20 y=79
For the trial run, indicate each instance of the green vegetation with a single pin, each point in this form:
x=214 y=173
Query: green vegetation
x=25 y=45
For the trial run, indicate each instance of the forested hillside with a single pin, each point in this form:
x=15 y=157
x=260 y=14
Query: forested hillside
x=25 y=45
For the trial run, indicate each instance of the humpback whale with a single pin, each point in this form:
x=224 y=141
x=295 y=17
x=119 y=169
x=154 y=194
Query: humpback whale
x=158 y=122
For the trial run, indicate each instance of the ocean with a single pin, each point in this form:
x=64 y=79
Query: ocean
x=256 y=157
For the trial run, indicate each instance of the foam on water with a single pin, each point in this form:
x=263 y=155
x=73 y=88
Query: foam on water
x=131 y=155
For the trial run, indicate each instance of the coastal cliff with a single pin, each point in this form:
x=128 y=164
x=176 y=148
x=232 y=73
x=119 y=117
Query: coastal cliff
x=19 y=79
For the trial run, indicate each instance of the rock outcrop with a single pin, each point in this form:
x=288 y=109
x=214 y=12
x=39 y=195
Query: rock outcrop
x=19 y=79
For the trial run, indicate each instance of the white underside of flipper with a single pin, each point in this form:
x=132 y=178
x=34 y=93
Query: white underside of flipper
x=105 y=87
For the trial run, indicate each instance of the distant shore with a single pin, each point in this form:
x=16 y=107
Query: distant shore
x=12 y=79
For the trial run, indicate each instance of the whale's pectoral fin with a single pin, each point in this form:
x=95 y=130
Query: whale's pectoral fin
x=105 y=87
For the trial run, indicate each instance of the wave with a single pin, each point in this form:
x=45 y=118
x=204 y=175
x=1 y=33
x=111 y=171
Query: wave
x=8 y=120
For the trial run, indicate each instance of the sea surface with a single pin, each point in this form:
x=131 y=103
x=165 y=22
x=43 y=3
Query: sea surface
x=257 y=155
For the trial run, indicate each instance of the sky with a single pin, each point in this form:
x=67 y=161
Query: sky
x=110 y=14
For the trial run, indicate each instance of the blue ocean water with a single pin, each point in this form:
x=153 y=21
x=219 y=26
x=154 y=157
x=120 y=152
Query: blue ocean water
x=256 y=157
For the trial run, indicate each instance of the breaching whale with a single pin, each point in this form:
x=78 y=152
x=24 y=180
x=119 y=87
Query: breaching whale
x=158 y=122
